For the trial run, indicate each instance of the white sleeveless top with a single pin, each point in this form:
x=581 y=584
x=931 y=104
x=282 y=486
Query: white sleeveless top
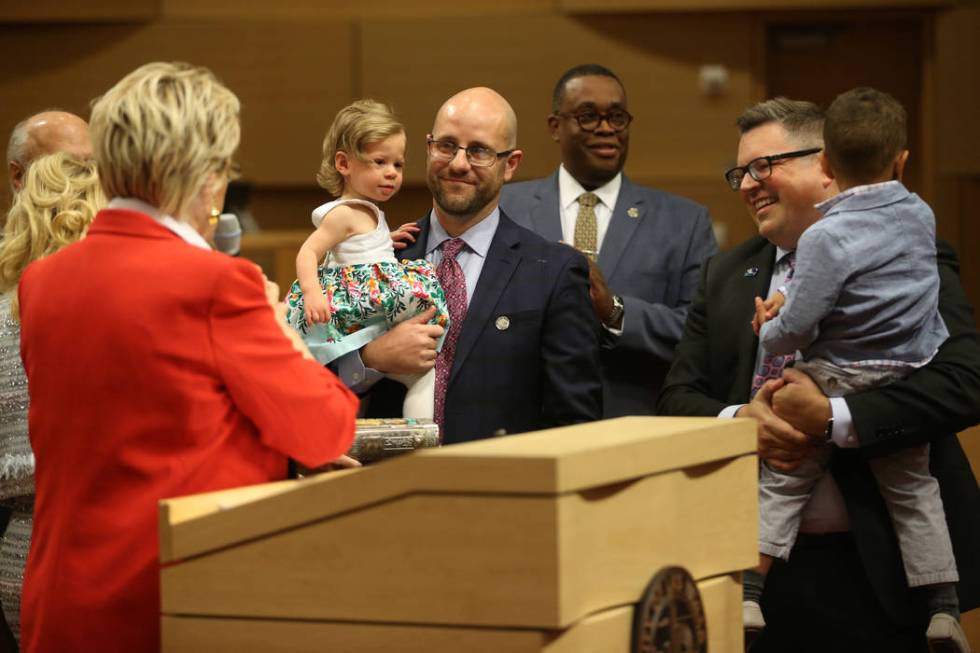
x=372 y=247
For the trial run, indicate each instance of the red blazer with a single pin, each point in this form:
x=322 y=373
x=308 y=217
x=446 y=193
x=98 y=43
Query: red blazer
x=156 y=369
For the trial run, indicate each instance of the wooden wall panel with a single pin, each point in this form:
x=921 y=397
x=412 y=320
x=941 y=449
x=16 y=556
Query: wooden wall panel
x=678 y=132
x=48 y=11
x=958 y=88
x=344 y=9
x=738 y=5
x=289 y=87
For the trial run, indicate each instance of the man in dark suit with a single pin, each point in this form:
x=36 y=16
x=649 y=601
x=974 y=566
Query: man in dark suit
x=521 y=353
x=646 y=246
x=843 y=588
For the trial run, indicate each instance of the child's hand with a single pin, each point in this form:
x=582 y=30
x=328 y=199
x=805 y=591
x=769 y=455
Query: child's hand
x=766 y=310
x=404 y=235
x=315 y=308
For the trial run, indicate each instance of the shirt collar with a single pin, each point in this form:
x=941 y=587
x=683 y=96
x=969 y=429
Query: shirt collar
x=477 y=237
x=182 y=229
x=569 y=189
x=825 y=206
x=781 y=254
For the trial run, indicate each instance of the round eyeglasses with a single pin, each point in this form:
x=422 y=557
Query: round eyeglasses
x=478 y=155
x=589 y=120
x=761 y=168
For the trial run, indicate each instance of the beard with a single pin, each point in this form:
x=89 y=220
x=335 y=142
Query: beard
x=465 y=201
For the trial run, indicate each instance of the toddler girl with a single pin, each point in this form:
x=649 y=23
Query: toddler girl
x=349 y=287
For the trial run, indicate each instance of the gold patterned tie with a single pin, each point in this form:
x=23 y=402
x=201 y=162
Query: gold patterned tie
x=586 y=232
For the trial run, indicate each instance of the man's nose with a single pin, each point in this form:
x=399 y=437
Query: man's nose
x=459 y=160
x=748 y=183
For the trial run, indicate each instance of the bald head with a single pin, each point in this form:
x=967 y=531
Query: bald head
x=484 y=107
x=46 y=133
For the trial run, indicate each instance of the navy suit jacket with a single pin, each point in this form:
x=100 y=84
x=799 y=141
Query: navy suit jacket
x=536 y=369
x=713 y=368
x=650 y=256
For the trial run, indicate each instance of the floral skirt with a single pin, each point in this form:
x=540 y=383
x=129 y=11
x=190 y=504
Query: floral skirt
x=365 y=300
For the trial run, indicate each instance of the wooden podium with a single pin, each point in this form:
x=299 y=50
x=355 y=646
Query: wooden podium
x=533 y=543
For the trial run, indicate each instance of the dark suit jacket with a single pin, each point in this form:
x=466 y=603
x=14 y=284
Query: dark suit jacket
x=538 y=372
x=650 y=256
x=713 y=368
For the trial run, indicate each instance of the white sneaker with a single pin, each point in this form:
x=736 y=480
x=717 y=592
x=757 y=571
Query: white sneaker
x=944 y=634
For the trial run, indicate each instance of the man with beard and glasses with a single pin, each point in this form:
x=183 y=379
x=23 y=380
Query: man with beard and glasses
x=645 y=246
x=522 y=350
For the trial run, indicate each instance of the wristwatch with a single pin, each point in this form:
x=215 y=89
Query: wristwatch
x=828 y=434
x=616 y=314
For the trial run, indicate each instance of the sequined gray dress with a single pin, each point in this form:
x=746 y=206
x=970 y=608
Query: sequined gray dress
x=16 y=467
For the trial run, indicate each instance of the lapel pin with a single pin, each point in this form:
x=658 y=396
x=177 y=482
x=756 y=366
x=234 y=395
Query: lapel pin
x=633 y=212
x=502 y=323
x=751 y=272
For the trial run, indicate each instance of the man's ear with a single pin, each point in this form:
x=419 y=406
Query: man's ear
x=553 y=122
x=513 y=161
x=16 y=172
x=900 y=162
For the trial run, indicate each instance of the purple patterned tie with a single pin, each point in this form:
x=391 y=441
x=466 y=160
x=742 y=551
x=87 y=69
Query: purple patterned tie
x=773 y=364
x=454 y=285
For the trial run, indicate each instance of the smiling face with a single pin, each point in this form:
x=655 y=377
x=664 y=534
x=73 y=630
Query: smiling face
x=783 y=204
x=595 y=157
x=376 y=175
x=463 y=193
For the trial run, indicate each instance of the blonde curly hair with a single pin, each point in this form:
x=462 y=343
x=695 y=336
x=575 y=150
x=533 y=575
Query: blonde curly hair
x=162 y=131
x=60 y=197
x=354 y=128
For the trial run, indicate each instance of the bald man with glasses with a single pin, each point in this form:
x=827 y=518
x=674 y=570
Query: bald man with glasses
x=521 y=353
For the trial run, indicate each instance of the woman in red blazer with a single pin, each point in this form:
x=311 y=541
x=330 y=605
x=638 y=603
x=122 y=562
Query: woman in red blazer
x=156 y=366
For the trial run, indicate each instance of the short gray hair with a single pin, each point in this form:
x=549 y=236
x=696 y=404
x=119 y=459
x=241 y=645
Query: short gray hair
x=802 y=120
x=17 y=146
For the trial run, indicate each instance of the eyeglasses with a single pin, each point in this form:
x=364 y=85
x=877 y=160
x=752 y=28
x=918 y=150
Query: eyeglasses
x=589 y=120
x=761 y=168
x=478 y=155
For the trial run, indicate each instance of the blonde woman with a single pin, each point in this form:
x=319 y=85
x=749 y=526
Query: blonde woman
x=55 y=206
x=157 y=367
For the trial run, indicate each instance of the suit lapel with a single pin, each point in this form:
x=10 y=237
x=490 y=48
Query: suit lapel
x=546 y=211
x=629 y=212
x=502 y=260
x=757 y=285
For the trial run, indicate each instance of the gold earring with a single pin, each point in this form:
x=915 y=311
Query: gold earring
x=213 y=217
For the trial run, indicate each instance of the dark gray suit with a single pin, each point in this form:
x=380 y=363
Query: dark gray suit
x=528 y=352
x=650 y=260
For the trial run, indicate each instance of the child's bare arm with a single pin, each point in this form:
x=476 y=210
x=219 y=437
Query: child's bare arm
x=337 y=226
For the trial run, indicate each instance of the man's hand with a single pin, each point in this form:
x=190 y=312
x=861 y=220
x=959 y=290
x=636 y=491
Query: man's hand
x=602 y=301
x=780 y=445
x=404 y=235
x=766 y=310
x=803 y=404
x=407 y=348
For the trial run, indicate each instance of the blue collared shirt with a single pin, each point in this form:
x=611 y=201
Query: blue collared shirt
x=472 y=257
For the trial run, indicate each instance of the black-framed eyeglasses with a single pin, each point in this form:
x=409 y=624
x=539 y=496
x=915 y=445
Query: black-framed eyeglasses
x=761 y=168
x=589 y=120
x=478 y=155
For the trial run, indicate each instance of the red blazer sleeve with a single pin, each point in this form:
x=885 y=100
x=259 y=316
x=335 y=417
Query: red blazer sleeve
x=299 y=407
